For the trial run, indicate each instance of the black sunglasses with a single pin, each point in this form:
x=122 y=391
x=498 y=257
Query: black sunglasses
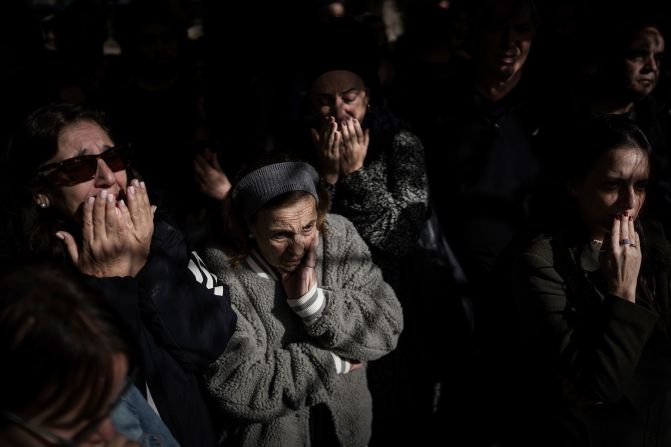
x=81 y=169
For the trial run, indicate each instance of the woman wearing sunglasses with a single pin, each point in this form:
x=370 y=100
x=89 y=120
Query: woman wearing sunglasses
x=58 y=334
x=73 y=197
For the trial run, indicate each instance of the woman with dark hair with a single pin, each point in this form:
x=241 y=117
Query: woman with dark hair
x=628 y=68
x=373 y=167
x=312 y=310
x=73 y=198
x=66 y=358
x=593 y=300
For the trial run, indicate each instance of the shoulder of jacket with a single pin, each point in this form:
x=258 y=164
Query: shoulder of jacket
x=167 y=234
x=216 y=259
x=541 y=248
x=338 y=224
x=406 y=138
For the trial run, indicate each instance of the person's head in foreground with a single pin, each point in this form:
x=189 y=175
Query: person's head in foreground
x=66 y=361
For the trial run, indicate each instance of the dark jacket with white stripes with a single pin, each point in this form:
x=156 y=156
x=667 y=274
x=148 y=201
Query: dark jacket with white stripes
x=182 y=318
x=284 y=379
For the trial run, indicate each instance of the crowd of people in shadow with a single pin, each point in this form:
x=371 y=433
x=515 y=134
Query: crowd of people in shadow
x=263 y=223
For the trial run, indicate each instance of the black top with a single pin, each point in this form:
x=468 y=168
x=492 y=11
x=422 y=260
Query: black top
x=182 y=318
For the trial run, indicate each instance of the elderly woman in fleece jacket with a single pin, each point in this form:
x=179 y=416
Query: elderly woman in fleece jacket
x=312 y=310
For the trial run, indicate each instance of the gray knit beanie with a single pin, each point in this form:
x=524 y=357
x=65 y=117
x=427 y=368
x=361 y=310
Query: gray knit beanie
x=264 y=184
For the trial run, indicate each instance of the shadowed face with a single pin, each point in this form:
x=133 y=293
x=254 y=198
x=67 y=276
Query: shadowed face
x=506 y=39
x=616 y=185
x=71 y=428
x=340 y=94
x=642 y=64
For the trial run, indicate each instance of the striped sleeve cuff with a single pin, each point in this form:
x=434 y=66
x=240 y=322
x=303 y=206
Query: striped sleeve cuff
x=310 y=306
x=342 y=366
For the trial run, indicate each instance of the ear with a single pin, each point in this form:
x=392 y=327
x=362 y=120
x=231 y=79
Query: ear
x=41 y=200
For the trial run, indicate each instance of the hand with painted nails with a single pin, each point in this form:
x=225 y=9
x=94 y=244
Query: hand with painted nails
x=354 y=146
x=104 y=247
x=138 y=216
x=621 y=258
x=328 y=143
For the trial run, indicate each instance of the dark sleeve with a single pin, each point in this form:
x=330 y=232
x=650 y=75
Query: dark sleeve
x=184 y=306
x=597 y=357
x=122 y=294
x=388 y=216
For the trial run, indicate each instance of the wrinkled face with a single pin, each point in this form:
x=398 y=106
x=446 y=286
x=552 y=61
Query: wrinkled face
x=340 y=94
x=83 y=138
x=505 y=42
x=643 y=60
x=283 y=234
x=616 y=185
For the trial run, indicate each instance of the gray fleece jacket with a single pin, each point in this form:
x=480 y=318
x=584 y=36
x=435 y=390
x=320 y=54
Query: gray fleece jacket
x=284 y=359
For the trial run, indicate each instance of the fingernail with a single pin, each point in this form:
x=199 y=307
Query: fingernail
x=91 y=200
x=135 y=182
x=103 y=194
x=122 y=203
x=131 y=190
x=110 y=198
x=143 y=185
x=60 y=236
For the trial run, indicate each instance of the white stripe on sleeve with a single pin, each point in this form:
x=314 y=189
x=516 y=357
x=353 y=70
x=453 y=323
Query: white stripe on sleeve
x=310 y=305
x=342 y=366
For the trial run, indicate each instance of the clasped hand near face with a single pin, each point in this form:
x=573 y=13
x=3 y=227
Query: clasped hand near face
x=620 y=258
x=341 y=147
x=299 y=281
x=116 y=237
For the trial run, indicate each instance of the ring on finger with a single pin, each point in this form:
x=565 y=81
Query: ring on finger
x=626 y=242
